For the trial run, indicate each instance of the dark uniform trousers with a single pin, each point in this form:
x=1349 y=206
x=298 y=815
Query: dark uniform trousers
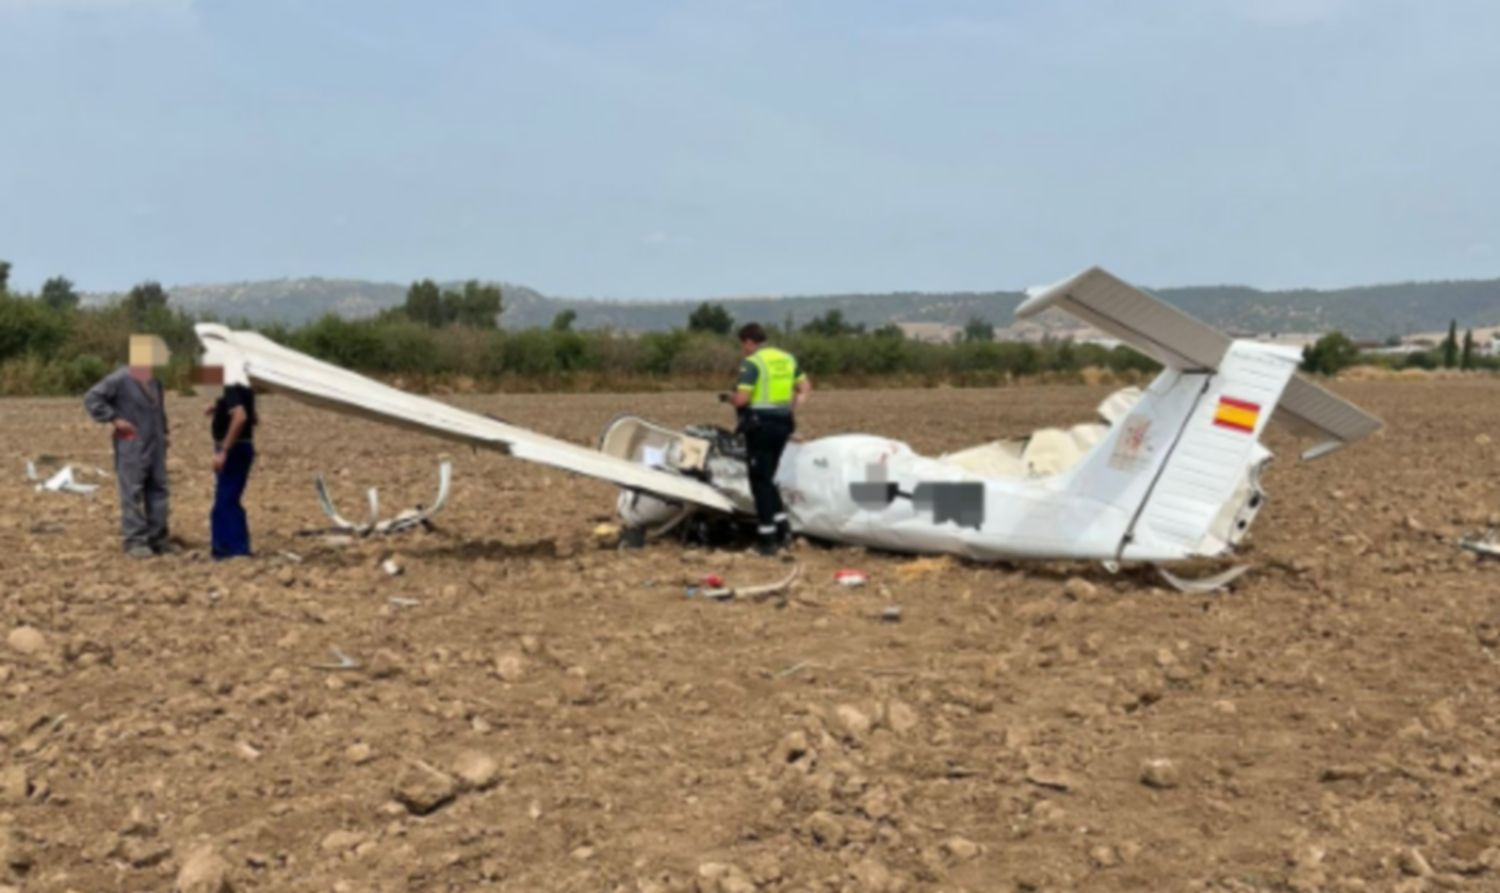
x=766 y=436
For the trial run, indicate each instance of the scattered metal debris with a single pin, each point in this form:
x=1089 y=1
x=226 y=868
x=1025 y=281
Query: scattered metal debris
x=891 y=614
x=850 y=577
x=1487 y=546
x=63 y=481
x=729 y=592
x=343 y=662
x=391 y=567
x=1206 y=584
x=398 y=602
x=416 y=517
x=799 y=665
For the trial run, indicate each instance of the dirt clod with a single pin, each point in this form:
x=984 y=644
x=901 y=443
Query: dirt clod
x=15 y=785
x=510 y=667
x=826 y=829
x=855 y=722
x=901 y=717
x=961 y=848
x=1080 y=589
x=204 y=871
x=16 y=857
x=1160 y=774
x=26 y=640
x=423 y=789
x=1414 y=864
x=476 y=771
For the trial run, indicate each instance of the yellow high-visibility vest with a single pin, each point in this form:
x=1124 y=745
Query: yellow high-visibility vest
x=775 y=380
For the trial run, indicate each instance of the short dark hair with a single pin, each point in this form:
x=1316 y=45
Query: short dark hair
x=751 y=331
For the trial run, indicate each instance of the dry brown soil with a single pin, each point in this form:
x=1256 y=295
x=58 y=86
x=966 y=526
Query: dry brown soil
x=1331 y=724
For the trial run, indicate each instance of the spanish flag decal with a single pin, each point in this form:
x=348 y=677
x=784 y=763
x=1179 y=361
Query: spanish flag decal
x=1238 y=415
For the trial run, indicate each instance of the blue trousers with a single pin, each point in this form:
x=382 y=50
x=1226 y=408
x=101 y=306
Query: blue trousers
x=231 y=529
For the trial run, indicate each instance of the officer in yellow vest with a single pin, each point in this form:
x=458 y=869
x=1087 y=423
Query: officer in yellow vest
x=771 y=388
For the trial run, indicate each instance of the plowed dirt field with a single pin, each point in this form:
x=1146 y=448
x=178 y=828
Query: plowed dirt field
x=531 y=712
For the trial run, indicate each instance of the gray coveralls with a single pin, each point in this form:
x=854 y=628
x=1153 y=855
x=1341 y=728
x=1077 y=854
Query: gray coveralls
x=140 y=462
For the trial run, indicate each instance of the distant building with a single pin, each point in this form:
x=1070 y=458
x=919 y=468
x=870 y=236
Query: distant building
x=1288 y=339
x=930 y=332
x=1394 y=350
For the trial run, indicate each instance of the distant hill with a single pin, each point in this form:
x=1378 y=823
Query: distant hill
x=297 y=301
x=1368 y=312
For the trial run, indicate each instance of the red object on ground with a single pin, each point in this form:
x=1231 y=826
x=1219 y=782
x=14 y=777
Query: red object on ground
x=850 y=577
x=713 y=580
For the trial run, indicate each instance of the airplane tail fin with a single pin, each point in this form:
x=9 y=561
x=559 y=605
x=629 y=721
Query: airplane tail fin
x=1184 y=462
x=1178 y=341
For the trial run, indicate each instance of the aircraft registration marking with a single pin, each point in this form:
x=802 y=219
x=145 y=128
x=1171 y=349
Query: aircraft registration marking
x=1133 y=449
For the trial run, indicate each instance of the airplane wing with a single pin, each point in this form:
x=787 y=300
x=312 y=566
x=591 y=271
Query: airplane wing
x=1179 y=341
x=249 y=355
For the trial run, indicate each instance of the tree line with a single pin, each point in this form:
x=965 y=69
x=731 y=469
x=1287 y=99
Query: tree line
x=451 y=337
x=1335 y=352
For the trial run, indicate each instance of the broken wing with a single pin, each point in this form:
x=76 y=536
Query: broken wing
x=265 y=362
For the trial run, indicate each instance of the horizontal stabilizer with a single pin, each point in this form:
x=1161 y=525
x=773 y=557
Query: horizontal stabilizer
x=1150 y=325
x=1178 y=341
x=1311 y=410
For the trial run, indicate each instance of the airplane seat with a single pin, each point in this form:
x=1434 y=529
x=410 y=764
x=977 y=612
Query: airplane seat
x=1117 y=405
x=1050 y=451
x=1085 y=436
x=1000 y=458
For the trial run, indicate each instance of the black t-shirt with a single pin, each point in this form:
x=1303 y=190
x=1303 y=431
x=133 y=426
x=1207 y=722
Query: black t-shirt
x=234 y=395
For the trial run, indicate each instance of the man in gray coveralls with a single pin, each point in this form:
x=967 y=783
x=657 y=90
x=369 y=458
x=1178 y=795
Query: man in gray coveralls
x=131 y=400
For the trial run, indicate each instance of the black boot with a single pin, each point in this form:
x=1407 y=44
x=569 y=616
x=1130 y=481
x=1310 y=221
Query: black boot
x=784 y=533
x=766 y=544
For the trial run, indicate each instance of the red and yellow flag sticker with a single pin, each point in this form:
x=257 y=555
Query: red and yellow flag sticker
x=1239 y=415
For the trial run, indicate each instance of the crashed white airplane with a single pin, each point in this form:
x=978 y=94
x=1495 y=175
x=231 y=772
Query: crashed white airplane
x=1174 y=475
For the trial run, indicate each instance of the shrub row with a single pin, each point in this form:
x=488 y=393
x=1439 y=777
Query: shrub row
x=48 y=351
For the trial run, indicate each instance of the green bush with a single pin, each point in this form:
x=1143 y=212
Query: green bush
x=1329 y=354
x=530 y=353
x=81 y=372
x=659 y=350
x=706 y=355
x=356 y=345
x=29 y=327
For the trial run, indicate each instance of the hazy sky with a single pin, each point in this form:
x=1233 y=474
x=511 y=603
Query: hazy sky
x=678 y=149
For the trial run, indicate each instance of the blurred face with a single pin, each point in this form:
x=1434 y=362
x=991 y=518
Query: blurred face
x=748 y=346
x=147 y=352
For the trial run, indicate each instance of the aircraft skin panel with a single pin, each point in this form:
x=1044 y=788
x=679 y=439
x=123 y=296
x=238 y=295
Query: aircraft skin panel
x=338 y=389
x=1021 y=517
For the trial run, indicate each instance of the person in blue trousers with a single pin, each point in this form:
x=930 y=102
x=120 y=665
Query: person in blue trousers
x=234 y=423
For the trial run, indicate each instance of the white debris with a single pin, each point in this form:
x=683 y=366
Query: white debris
x=417 y=517
x=63 y=481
